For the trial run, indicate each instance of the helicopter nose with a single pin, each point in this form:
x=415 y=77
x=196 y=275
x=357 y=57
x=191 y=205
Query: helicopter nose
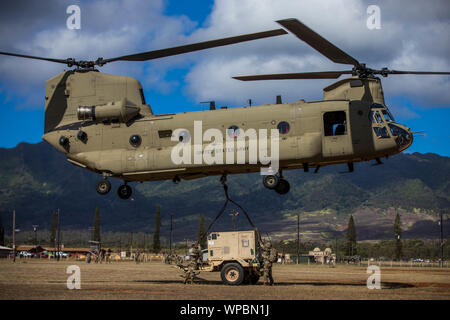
x=403 y=136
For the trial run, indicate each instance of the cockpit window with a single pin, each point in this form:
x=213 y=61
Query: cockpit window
x=376 y=106
x=335 y=123
x=378 y=117
x=387 y=116
x=371 y=117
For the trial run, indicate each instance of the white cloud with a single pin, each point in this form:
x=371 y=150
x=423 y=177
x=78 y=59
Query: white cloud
x=414 y=36
x=402 y=43
x=108 y=29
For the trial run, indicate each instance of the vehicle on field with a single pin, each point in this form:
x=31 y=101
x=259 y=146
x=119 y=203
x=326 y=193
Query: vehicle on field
x=95 y=252
x=235 y=255
x=62 y=254
x=25 y=254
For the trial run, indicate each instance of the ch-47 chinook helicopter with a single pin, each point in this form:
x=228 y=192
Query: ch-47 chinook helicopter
x=102 y=123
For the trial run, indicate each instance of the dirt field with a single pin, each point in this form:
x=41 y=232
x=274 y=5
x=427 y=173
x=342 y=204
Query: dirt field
x=34 y=279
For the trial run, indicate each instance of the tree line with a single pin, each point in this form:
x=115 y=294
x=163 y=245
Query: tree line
x=395 y=248
x=152 y=241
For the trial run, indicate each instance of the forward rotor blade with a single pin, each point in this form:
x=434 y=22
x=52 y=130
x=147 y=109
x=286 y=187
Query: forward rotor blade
x=302 y=75
x=65 y=61
x=414 y=72
x=197 y=46
x=319 y=43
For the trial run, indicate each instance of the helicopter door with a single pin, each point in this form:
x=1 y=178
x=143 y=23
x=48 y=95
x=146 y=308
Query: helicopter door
x=336 y=140
x=361 y=126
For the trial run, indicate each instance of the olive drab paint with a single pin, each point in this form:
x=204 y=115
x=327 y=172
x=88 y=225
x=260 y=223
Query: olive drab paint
x=309 y=138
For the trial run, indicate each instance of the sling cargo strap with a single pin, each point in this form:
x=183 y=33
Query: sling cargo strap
x=225 y=188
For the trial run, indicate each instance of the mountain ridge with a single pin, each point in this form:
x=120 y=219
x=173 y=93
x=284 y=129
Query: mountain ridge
x=37 y=179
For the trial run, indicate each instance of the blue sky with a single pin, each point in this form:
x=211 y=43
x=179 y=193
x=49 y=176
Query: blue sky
x=180 y=83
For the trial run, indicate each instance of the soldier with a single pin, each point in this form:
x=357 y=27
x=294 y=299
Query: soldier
x=189 y=274
x=328 y=256
x=137 y=257
x=194 y=256
x=108 y=256
x=267 y=255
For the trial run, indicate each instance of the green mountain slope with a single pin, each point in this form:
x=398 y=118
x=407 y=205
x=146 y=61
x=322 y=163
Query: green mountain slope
x=36 y=179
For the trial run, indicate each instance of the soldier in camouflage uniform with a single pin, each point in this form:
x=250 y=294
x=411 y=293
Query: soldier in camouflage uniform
x=189 y=274
x=194 y=256
x=189 y=271
x=266 y=248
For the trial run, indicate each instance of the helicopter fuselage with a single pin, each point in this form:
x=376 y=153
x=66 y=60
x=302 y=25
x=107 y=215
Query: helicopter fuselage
x=102 y=123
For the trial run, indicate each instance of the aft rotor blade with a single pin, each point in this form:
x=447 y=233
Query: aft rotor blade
x=197 y=46
x=319 y=43
x=65 y=61
x=302 y=75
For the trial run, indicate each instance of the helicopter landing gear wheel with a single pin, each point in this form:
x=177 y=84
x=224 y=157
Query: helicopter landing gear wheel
x=103 y=186
x=176 y=179
x=271 y=181
x=283 y=187
x=124 y=191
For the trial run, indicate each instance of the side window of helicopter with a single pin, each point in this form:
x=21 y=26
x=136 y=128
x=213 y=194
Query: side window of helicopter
x=184 y=136
x=335 y=123
x=381 y=132
x=233 y=131
x=135 y=140
x=283 y=127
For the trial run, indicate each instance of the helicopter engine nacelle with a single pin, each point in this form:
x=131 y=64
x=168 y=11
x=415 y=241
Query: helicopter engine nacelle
x=113 y=110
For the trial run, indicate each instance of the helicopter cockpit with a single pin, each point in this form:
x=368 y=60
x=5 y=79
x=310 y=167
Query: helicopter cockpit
x=384 y=126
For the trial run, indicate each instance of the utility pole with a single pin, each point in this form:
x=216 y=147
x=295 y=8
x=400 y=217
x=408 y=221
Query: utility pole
x=131 y=243
x=144 y=242
x=233 y=215
x=335 y=246
x=298 y=238
x=14 y=235
x=35 y=226
x=58 y=235
x=171 y=229
x=441 y=263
